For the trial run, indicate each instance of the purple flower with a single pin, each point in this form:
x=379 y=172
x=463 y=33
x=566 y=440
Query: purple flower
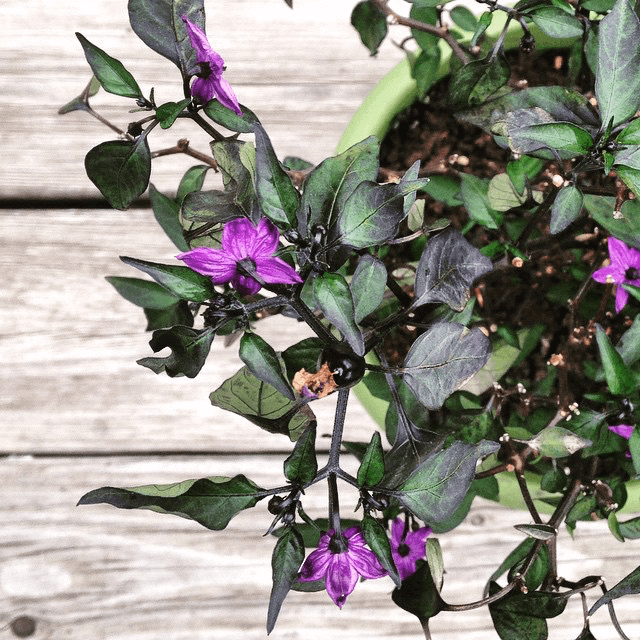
x=209 y=83
x=624 y=430
x=245 y=249
x=624 y=269
x=407 y=547
x=340 y=560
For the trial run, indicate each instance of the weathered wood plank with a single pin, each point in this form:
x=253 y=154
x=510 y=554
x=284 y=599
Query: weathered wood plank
x=70 y=343
x=98 y=572
x=304 y=72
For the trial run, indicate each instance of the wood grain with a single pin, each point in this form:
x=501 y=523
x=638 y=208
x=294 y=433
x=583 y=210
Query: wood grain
x=98 y=572
x=303 y=72
x=73 y=403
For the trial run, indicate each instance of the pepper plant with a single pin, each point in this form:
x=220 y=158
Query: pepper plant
x=395 y=303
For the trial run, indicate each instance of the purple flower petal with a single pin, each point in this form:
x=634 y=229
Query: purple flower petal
x=276 y=271
x=238 y=237
x=407 y=549
x=618 y=251
x=624 y=430
x=198 y=40
x=210 y=262
x=607 y=274
x=622 y=296
x=341 y=578
x=245 y=285
x=211 y=85
x=225 y=95
x=266 y=240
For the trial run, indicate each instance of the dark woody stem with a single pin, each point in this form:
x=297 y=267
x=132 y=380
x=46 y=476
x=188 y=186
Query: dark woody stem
x=182 y=146
x=441 y=32
x=198 y=119
x=315 y=325
x=333 y=465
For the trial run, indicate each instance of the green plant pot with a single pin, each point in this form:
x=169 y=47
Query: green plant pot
x=395 y=92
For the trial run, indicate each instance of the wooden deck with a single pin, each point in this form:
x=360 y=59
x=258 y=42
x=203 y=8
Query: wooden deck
x=78 y=413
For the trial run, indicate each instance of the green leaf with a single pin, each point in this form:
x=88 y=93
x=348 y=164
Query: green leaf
x=504 y=196
x=627 y=228
x=158 y=23
x=445 y=189
x=484 y=22
x=617 y=85
x=435 y=561
x=547 y=104
x=333 y=297
x=376 y=537
x=424 y=12
x=209 y=210
x=302 y=465
x=211 y=502
x=526 y=135
x=261 y=404
x=178 y=279
x=619 y=377
x=419 y=594
x=263 y=362
x=520 y=616
x=371 y=470
x=442 y=359
x=178 y=314
x=277 y=196
x=630 y=529
x=566 y=208
x=448 y=267
x=523 y=169
x=189 y=350
x=371 y=25
x=81 y=102
x=424 y=69
x=330 y=184
x=464 y=18
x=558 y=442
x=440 y=483
x=229 y=119
x=630 y=176
x=537 y=531
x=287 y=557
x=167 y=213
x=556 y=23
x=120 y=169
x=372 y=213
x=629 y=585
x=168 y=112
x=475 y=195
x=110 y=72
x=630 y=134
x=143 y=293
x=192 y=180
x=236 y=161
x=477 y=81
x=368 y=285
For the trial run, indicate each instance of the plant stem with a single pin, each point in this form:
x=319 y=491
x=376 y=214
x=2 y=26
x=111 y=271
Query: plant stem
x=315 y=325
x=182 y=146
x=441 y=32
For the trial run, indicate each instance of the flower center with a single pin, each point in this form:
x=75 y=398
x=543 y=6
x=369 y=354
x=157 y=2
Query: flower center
x=247 y=266
x=205 y=70
x=403 y=550
x=632 y=274
x=338 y=544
